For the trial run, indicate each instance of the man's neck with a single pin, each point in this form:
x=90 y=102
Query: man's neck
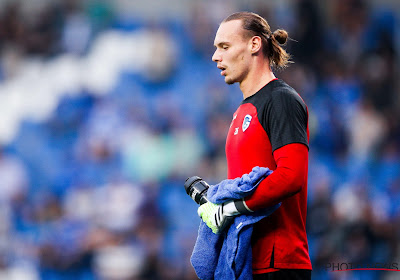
x=256 y=80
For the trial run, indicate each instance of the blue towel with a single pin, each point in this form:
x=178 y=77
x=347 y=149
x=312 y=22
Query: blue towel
x=228 y=255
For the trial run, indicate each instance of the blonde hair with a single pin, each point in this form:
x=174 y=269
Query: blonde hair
x=271 y=41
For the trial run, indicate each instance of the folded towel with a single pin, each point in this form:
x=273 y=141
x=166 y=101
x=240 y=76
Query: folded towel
x=228 y=255
x=241 y=187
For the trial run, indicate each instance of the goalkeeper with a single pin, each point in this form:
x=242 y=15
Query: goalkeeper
x=270 y=129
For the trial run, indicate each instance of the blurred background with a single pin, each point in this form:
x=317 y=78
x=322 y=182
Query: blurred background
x=108 y=106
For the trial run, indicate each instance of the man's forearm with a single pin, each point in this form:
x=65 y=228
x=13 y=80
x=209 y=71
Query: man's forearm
x=285 y=181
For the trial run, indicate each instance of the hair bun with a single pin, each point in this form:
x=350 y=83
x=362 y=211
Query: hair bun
x=280 y=35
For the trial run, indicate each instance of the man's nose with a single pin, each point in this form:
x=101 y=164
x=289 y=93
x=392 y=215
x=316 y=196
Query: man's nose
x=216 y=56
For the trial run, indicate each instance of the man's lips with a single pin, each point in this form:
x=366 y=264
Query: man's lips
x=223 y=70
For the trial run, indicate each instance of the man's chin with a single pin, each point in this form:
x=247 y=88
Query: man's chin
x=229 y=81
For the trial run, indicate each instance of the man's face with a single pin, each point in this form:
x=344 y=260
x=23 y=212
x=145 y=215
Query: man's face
x=233 y=51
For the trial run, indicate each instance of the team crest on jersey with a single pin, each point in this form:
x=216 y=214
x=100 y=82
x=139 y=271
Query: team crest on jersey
x=246 y=122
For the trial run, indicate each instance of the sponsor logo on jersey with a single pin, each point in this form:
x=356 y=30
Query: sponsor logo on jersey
x=246 y=122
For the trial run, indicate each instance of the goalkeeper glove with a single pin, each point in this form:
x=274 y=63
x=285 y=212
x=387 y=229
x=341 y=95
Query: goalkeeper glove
x=219 y=216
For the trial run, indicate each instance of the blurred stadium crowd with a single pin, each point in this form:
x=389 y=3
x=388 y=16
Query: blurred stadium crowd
x=104 y=116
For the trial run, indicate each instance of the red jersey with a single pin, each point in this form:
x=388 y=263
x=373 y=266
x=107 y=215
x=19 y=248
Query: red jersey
x=270 y=129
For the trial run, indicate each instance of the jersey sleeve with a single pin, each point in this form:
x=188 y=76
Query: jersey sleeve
x=288 y=178
x=285 y=119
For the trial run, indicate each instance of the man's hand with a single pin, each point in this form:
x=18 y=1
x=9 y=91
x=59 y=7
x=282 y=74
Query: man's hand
x=219 y=216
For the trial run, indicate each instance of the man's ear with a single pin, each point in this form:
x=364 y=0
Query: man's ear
x=255 y=44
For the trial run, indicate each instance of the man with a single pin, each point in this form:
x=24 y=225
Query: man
x=269 y=129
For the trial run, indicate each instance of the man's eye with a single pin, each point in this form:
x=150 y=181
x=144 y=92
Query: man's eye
x=225 y=47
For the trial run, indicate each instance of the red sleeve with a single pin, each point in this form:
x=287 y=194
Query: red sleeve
x=287 y=179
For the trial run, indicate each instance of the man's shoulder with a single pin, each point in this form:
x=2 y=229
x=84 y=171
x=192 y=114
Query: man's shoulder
x=282 y=92
x=275 y=91
x=281 y=87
